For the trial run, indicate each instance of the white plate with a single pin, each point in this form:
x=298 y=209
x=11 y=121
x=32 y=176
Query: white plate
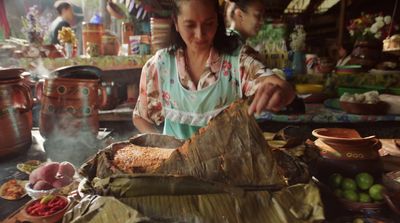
x=22 y=183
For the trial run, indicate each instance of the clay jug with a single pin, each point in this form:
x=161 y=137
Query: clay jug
x=70 y=101
x=15 y=113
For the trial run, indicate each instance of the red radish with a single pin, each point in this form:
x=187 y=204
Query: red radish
x=62 y=182
x=47 y=173
x=42 y=185
x=66 y=169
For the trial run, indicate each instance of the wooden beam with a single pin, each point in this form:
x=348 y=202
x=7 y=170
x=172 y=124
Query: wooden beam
x=312 y=6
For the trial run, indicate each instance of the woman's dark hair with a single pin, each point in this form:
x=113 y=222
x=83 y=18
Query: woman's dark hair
x=62 y=6
x=223 y=43
x=243 y=4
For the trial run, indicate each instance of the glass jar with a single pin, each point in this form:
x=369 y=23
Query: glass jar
x=91 y=33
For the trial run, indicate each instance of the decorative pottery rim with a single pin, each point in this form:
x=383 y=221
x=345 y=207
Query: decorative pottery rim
x=316 y=133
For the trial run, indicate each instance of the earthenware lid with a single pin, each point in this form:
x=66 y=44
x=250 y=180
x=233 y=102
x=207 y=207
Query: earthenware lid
x=10 y=73
x=79 y=72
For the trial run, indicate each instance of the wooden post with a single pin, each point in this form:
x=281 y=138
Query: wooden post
x=342 y=21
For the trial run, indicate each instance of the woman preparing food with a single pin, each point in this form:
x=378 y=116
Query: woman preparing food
x=202 y=73
x=245 y=17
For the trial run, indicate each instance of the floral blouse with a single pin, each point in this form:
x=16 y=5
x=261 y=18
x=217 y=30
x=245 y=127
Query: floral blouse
x=149 y=105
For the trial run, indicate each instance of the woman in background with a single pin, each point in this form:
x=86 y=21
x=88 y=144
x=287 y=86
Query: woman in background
x=244 y=17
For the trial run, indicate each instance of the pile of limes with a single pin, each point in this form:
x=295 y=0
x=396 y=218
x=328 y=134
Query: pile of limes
x=360 y=189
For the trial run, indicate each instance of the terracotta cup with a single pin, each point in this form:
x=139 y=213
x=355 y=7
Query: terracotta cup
x=70 y=101
x=15 y=113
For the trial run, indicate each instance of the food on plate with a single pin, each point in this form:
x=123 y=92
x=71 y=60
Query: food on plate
x=47 y=206
x=13 y=189
x=392 y=43
x=360 y=189
x=371 y=97
x=28 y=166
x=52 y=175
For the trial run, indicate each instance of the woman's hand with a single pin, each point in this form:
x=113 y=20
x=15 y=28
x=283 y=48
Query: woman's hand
x=144 y=126
x=272 y=94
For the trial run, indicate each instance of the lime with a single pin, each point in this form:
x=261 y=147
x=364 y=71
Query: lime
x=350 y=195
x=364 y=198
x=358 y=220
x=349 y=184
x=338 y=193
x=364 y=181
x=335 y=180
x=376 y=192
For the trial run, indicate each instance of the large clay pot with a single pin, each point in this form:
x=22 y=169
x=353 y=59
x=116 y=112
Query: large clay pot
x=344 y=151
x=15 y=113
x=366 y=53
x=70 y=101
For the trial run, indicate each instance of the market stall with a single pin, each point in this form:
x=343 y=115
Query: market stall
x=70 y=153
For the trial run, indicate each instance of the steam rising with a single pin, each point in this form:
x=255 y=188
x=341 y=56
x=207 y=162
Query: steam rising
x=40 y=71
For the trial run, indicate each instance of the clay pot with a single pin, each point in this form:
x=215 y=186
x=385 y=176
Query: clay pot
x=110 y=90
x=380 y=108
x=366 y=53
x=109 y=45
x=70 y=101
x=344 y=151
x=15 y=113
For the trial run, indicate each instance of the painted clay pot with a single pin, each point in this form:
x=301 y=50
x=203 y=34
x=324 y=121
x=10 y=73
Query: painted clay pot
x=15 y=113
x=344 y=151
x=70 y=101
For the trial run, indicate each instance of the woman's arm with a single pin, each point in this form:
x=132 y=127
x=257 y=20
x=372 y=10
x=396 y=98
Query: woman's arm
x=148 y=111
x=144 y=126
x=270 y=92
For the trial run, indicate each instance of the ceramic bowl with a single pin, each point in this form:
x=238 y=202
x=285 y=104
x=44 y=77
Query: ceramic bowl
x=339 y=134
x=379 y=108
x=55 y=217
x=36 y=194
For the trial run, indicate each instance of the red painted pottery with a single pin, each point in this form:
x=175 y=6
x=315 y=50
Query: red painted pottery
x=15 y=113
x=344 y=151
x=70 y=101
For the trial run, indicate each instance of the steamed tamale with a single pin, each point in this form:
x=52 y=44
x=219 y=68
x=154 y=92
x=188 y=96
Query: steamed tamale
x=231 y=149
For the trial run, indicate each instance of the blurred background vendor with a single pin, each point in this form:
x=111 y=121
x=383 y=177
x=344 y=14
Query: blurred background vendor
x=64 y=19
x=244 y=17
